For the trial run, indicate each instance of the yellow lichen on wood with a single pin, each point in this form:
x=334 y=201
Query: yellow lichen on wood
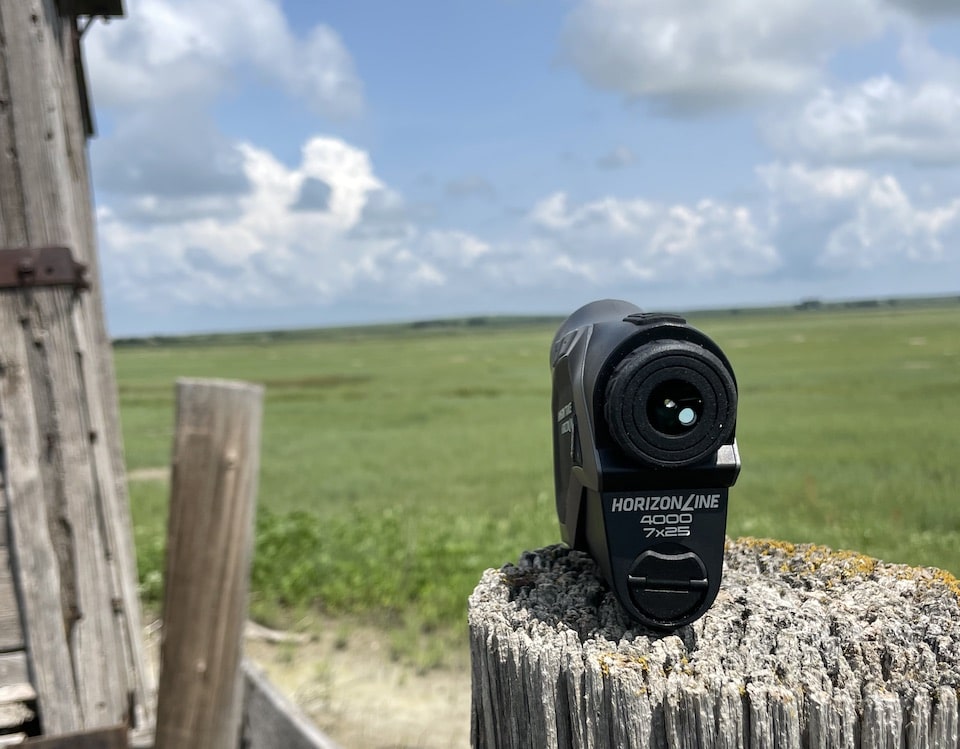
x=931 y=576
x=621 y=660
x=814 y=559
x=948 y=581
x=764 y=546
x=810 y=558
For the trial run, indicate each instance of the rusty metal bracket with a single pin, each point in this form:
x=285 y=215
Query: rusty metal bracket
x=104 y=8
x=41 y=266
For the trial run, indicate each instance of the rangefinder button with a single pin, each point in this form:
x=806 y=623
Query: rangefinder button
x=654 y=318
x=668 y=586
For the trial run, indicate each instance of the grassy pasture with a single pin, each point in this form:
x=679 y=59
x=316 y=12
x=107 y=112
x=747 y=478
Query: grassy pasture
x=398 y=463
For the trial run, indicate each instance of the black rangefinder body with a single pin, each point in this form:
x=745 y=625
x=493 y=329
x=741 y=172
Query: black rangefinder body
x=644 y=409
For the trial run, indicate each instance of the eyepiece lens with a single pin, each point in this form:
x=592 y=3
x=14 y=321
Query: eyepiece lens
x=670 y=403
x=687 y=417
x=674 y=407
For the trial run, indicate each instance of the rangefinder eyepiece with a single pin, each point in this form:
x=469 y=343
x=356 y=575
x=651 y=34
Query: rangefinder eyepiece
x=670 y=403
x=645 y=412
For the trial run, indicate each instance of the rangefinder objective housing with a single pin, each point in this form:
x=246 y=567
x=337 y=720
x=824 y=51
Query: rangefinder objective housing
x=644 y=447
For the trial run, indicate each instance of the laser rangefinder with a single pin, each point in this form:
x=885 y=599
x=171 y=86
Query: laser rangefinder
x=644 y=453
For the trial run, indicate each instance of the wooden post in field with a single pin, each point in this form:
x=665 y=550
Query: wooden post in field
x=209 y=549
x=71 y=614
x=804 y=647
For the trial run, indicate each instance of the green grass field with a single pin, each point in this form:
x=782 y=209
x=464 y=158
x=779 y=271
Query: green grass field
x=398 y=463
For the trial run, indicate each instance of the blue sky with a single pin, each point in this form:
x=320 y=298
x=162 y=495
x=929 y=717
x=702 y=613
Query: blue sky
x=272 y=164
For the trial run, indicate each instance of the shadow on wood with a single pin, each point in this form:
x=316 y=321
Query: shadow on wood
x=102 y=738
x=270 y=721
x=804 y=647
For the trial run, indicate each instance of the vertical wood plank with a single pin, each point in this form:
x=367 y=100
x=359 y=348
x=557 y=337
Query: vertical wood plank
x=34 y=557
x=91 y=626
x=65 y=355
x=112 y=514
x=95 y=355
x=209 y=549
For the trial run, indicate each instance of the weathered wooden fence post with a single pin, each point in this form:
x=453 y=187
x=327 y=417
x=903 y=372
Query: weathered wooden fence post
x=216 y=457
x=804 y=647
x=66 y=547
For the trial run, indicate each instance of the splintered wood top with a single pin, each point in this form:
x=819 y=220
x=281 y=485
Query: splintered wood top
x=804 y=646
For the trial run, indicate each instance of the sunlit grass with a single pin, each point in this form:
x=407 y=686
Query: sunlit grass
x=397 y=464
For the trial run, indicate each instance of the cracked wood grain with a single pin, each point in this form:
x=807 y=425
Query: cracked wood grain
x=804 y=647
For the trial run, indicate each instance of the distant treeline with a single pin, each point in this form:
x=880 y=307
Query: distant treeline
x=817 y=304
x=455 y=324
x=445 y=325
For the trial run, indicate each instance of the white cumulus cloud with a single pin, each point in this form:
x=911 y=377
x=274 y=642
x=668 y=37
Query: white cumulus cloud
x=168 y=49
x=603 y=240
x=272 y=253
x=843 y=219
x=911 y=116
x=361 y=244
x=691 y=56
x=158 y=77
x=878 y=119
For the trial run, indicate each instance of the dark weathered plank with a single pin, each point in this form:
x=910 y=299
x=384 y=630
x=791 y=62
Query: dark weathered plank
x=73 y=498
x=804 y=647
x=216 y=458
x=95 y=362
x=102 y=738
x=30 y=541
x=71 y=462
x=270 y=721
x=111 y=515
